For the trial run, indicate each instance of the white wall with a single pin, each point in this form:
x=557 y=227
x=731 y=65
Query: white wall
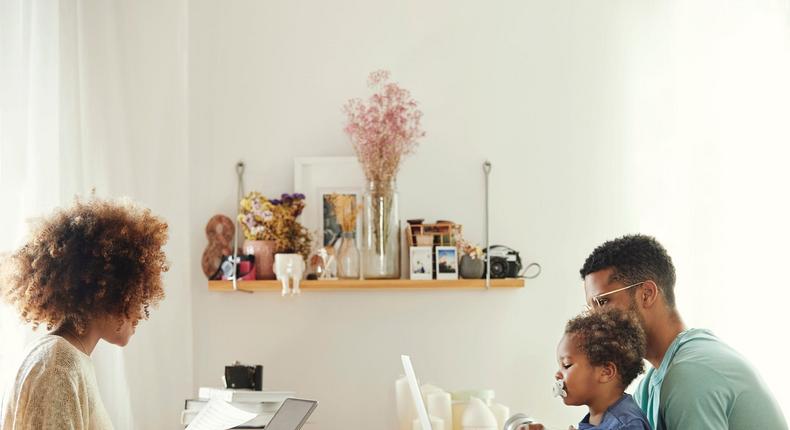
x=563 y=97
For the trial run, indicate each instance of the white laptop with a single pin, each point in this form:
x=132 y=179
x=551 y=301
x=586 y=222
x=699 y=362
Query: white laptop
x=422 y=413
x=292 y=414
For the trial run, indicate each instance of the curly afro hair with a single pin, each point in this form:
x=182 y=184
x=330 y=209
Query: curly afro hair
x=96 y=258
x=635 y=258
x=608 y=335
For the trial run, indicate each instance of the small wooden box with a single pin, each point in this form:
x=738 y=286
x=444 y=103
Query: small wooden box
x=439 y=234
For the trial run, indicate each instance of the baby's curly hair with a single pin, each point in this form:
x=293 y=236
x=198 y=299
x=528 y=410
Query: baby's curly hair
x=610 y=336
x=95 y=258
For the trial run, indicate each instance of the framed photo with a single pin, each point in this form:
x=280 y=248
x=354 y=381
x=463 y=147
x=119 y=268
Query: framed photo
x=446 y=262
x=330 y=220
x=420 y=263
x=319 y=177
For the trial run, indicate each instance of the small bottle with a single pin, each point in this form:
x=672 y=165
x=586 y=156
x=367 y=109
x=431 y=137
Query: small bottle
x=461 y=400
x=348 y=257
x=404 y=403
x=439 y=405
x=477 y=416
x=501 y=413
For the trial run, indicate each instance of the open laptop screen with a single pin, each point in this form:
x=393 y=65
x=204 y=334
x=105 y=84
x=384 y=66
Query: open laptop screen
x=292 y=414
x=422 y=413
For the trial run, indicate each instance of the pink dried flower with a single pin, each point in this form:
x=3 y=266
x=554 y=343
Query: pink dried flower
x=385 y=128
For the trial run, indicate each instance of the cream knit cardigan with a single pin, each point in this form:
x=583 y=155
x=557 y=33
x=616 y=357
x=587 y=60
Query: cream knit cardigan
x=55 y=388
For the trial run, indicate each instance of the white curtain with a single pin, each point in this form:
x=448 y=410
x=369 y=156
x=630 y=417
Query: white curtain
x=80 y=110
x=47 y=151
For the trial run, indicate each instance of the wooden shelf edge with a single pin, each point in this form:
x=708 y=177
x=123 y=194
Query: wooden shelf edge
x=373 y=284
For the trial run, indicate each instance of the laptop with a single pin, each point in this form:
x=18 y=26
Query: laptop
x=416 y=395
x=292 y=415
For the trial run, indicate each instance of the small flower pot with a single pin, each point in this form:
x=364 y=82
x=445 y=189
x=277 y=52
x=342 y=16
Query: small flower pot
x=264 y=257
x=471 y=268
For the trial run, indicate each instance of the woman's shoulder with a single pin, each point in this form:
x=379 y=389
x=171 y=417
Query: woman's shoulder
x=52 y=356
x=51 y=386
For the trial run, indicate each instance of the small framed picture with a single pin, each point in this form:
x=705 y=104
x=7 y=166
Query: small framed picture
x=335 y=220
x=420 y=263
x=446 y=262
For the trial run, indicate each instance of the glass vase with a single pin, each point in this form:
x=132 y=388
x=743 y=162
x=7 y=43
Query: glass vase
x=348 y=257
x=381 y=232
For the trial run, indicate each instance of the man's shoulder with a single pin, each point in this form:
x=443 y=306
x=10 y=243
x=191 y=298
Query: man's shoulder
x=707 y=363
x=708 y=384
x=707 y=351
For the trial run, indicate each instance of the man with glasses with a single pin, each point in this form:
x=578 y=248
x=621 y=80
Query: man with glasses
x=697 y=381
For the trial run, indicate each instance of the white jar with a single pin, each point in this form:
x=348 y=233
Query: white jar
x=501 y=413
x=461 y=400
x=439 y=405
x=478 y=416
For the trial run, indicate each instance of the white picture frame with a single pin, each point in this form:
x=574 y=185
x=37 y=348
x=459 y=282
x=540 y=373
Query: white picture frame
x=421 y=263
x=317 y=176
x=446 y=262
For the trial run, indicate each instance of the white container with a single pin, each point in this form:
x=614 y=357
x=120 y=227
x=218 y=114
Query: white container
x=458 y=413
x=501 y=413
x=427 y=389
x=436 y=424
x=478 y=416
x=404 y=403
x=439 y=405
x=461 y=399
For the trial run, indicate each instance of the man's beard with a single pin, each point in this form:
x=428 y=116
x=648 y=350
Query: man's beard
x=634 y=310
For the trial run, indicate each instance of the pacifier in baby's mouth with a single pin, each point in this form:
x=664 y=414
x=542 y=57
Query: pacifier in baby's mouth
x=559 y=388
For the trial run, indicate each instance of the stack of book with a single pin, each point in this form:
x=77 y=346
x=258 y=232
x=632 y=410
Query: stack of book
x=264 y=403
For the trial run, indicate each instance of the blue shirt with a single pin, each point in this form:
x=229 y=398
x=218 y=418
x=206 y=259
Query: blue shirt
x=704 y=384
x=623 y=415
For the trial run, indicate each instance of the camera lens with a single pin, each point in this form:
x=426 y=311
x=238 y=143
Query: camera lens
x=498 y=268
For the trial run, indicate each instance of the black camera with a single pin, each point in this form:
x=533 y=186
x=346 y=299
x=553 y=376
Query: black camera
x=239 y=376
x=505 y=262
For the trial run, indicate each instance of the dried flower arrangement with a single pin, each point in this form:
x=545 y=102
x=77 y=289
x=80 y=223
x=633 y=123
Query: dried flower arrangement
x=346 y=210
x=384 y=129
x=468 y=248
x=264 y=219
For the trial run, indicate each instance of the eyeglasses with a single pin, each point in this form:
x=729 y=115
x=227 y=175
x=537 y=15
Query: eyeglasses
x=600 y=300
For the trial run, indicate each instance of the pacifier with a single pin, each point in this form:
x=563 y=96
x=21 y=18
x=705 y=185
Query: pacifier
x=559 y=388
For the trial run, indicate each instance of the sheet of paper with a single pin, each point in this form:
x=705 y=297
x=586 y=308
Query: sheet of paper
x=219 y=415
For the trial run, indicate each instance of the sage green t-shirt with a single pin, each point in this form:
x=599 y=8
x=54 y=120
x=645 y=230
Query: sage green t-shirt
x=702 y=383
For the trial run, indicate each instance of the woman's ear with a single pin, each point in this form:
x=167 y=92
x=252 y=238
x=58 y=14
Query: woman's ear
x=607 y=372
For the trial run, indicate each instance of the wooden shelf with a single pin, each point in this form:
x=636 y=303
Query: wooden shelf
x=377 y=284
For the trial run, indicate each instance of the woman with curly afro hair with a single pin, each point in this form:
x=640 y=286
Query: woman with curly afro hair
x=87 y=273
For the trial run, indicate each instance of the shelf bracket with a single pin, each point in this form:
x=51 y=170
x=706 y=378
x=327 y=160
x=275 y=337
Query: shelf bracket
x=239 y=196
x=487 y=172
